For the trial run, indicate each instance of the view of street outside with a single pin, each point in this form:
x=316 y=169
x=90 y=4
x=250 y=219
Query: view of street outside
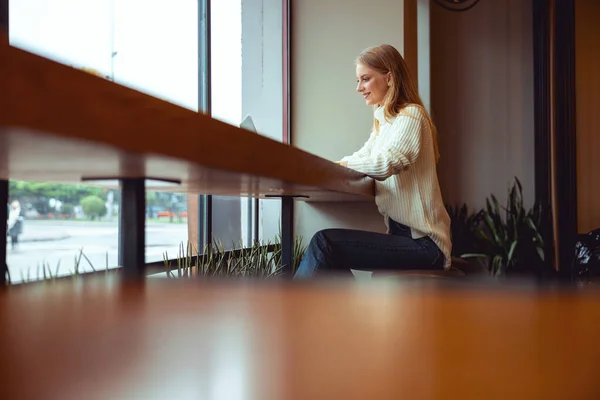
x=60 y=229
x=56 y=245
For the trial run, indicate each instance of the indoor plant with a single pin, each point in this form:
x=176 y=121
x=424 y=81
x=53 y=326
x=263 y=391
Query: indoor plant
x=510 y=235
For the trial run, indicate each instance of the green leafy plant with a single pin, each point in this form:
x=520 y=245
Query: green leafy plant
x=463 y=230
x=511 y=235
x=297 y=252
x=261 y=260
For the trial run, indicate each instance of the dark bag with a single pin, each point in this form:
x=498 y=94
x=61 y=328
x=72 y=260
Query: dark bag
x=586 y=263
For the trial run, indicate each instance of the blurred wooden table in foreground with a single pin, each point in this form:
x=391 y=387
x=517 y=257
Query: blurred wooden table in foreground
x=168 y=339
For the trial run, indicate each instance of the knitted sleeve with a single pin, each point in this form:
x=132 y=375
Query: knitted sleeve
x=399 y=150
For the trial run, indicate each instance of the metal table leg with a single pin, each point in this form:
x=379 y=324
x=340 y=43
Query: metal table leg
x=287 y=235
x=132 y=227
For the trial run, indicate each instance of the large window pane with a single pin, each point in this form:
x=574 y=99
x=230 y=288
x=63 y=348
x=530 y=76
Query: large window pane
x=57 y=230
x=72 y=32
x=166 y=225
x=247 y=67
x=262 y=95
x=62 y=229
x=156 y=51
x=229 y=228
x=152 y=46
x=149 y=45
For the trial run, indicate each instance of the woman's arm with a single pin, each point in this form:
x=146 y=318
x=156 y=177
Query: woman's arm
x=401 y=148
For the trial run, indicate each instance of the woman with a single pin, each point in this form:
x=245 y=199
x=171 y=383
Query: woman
x=401 y=154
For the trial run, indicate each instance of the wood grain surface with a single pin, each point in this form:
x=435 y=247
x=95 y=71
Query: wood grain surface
x=587 y=89
x=168 y=339
x=60 y=124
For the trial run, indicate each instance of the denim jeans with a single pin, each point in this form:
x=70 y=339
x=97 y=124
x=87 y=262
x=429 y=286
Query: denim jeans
x=337 y=251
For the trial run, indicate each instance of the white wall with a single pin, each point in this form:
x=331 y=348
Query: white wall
x=328 y=117
x=475 y=67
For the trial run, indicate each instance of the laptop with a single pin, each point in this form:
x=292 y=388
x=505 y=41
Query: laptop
x=248 y=124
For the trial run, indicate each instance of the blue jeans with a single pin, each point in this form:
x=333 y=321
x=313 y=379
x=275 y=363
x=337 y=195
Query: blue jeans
x=337 y=251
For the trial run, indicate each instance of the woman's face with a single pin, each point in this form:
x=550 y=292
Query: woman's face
x=371 y=84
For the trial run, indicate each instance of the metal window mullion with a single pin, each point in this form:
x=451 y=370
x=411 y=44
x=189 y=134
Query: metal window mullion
x=3 y=183
x=3 y=217
x=204 y=106
x=287 y=203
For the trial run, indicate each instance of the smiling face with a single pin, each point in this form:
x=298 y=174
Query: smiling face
x=372 y=85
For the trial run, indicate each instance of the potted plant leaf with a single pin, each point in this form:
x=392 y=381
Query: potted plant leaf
x=466 y=243
x=511 y=235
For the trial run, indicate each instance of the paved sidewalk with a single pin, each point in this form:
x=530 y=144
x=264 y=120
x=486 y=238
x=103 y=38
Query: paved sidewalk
x=28 y=237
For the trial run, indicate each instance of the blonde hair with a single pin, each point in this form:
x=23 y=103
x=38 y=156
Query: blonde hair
x=403 y=91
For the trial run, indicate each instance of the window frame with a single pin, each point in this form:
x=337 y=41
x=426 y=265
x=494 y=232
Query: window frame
x=203 y=225
x=4 y=195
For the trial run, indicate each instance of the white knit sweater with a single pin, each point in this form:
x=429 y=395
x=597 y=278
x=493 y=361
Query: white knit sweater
x=400 y=157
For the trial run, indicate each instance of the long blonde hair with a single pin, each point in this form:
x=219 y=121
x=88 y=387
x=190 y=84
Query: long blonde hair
x=403 y=87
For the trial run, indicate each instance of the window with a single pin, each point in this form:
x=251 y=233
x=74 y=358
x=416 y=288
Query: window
x=246 y=60
x=226 y=105
x=262 y=94
x=63 y=229
x=166 y=225
x=155 y=50
x=151 y=46
x=57 y=230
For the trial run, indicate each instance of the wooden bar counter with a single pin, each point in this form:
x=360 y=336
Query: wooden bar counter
x=59 y=124
x=62 y=125
x=173 y=339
